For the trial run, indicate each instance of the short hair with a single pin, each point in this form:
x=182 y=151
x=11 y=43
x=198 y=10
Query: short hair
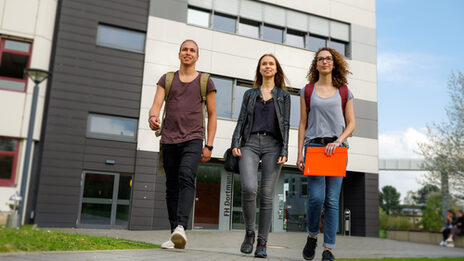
x=190 y=40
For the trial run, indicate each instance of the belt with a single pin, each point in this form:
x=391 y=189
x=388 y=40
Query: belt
x=262 y=133
x=323 y=140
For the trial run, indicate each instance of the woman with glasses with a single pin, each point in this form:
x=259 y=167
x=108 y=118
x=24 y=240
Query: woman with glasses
x=261 y=134
x=327 y=120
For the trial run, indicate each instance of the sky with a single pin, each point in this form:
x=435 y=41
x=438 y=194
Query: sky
x=419 y=44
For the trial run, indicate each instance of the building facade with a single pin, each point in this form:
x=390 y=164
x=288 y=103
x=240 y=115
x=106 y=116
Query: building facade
x=98 y=166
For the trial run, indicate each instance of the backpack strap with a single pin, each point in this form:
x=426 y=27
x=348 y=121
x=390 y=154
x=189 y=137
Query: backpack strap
x=307 y=95
x=203 y=88
x=344 y=95
x=167 y=88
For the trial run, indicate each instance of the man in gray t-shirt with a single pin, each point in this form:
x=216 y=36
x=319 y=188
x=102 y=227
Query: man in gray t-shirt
x=325 y=117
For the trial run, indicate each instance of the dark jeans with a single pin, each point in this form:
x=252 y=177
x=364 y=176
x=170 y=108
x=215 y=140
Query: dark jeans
x=180 y=165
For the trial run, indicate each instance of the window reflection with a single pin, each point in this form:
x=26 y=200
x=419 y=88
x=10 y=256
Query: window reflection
x=272 y=34
x=340 y=47
x=315 y=42
x=223 y=96
x=224 y=23
x=248 y=28
x=111 y=127
x=120 y=38
x=198 y=17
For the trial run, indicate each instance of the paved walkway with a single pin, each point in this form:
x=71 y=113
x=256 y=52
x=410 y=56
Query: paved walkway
x=224 y=245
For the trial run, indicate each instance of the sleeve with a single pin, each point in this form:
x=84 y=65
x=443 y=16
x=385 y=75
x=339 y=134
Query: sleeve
x=350 y=95
x=162 y=81
x=236 y=137
x=210 y=87
x=302 y=92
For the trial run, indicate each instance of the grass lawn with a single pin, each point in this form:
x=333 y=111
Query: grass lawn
x=403 y=259
x=29 y=239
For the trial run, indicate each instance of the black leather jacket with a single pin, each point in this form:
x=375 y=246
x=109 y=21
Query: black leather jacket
x=245 y=120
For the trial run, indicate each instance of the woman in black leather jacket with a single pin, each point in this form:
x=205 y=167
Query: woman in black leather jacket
x=261 y=134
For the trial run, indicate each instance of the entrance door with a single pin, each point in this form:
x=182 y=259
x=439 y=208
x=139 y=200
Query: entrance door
x=207 y=198
x=105 y=200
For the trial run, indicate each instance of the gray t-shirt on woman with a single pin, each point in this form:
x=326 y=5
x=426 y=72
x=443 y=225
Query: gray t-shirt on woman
x=325 y=118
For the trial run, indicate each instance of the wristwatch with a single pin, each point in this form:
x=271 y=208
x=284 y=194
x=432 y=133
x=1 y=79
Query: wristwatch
x=209 y=147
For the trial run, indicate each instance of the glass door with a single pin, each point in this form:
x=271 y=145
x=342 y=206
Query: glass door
x=105 y=200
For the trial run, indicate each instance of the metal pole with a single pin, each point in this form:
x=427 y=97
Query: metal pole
x=27 y=155
x=444 y=195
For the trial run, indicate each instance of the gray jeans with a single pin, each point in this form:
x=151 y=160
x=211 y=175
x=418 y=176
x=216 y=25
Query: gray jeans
x=266 y=149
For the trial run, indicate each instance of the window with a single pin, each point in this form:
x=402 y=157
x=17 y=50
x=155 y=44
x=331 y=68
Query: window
x=339 y=46
x=295 y=111
x=198 y=17
x=272 y=34
x=120 y=38
x=111 y=128
x=14 y=58
x=304 y=186
x=316 y=42
x=295 y=38
x=223 y=96
x=8 y=160
x=248 y=28
x=239 y=91
x=224 y=23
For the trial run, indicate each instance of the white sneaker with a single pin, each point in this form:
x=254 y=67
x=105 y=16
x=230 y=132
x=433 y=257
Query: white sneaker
x=450 y=244
x=449 y=239
x=167 y=245
x=178 y=237
x=442 y=243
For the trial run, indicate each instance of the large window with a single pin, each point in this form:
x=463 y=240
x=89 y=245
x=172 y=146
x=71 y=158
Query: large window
x=224 y=23
x=339 y=46
x=223 y=97
x=248 y=28
x=273 y=34
x=295 y=110
x=316 y=42
x=295 y=38
x=111 y=128
x=14 y=58
x=121 y=38
x=8 y=161
x=198 y=17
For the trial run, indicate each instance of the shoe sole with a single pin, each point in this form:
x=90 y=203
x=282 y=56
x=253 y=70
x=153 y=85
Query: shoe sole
x=308 y=258
x=179 y=240
x=164 y=247
x=261 y=256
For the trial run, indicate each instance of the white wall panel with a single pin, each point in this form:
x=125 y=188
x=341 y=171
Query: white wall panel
x=11 y=112
x=240 y=46
x=226 y=6
x=2 y=7
x=46 y=18
x=296 y=76
x=274 y=15
x=161 y=52
x=363 y=71
x=251 y=10
x=297 y=20
x=41 y=51
x=233 y=66
x=318 y=25
x=363 y=90
x=362 y=4
x=208 y=4
x=294 y=57
x=20 y=16
x=348 y=13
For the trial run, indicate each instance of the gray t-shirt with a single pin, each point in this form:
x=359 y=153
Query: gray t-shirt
x=325 y=117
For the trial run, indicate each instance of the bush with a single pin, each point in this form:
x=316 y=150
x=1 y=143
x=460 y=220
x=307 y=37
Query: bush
x=432 y=217
x=394 y=222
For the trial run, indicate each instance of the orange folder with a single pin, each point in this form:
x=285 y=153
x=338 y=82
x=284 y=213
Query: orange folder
x=319 y=164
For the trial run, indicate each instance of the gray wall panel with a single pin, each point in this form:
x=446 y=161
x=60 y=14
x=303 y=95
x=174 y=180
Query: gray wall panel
x=87 y=78
x=365 y=109
x=366 y=129
x=175 y=10
x=362 y=34
x=364 y=52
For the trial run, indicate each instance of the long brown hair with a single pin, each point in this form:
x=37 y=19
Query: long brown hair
x=279 y=77
x=339 y=72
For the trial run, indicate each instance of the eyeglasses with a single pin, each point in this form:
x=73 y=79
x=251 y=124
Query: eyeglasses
x=321 y=59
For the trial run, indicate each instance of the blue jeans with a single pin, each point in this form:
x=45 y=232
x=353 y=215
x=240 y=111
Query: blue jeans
x=323 y=191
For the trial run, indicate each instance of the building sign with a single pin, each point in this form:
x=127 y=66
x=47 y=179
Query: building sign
x=227 y=193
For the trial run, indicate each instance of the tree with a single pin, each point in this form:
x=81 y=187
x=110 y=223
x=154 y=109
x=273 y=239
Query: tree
x=443 y=152
x=421 y=196
x=389 y=200
x=431 y=217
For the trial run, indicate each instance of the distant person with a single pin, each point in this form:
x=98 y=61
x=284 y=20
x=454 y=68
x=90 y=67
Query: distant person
x=446 y=230
x=328 y=122
x=261 y=135
x=182 y=132
x=457 y=229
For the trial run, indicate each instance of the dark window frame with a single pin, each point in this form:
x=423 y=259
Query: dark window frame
x=11 y=181
x=5 y=50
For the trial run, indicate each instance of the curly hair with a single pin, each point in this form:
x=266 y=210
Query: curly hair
x=279 y=77
x=339 y=72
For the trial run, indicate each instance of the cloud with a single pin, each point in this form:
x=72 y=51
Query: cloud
x=401 y=145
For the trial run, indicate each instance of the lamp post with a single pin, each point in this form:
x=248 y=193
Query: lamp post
x=37 y=76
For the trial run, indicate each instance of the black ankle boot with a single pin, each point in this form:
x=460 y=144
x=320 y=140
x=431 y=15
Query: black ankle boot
x=261 y=248
x=247 y=245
